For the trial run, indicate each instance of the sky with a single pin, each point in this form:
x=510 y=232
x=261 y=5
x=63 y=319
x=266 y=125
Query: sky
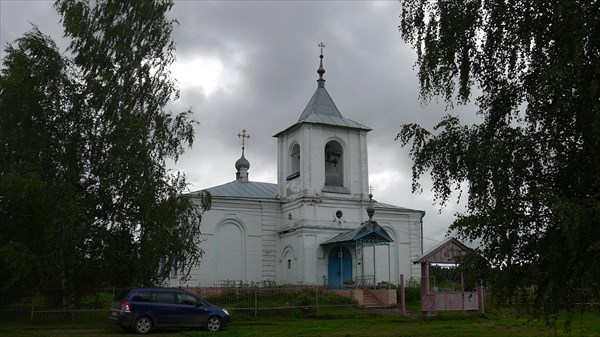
x=253 y=65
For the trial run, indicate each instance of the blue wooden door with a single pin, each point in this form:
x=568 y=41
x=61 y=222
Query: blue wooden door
x=340 y=266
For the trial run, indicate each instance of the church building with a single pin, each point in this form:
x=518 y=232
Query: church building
x=318 y=225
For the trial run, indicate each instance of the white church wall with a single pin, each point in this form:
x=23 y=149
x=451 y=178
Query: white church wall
x=229 y=250
x=302 y=248
x=288 y=249
x=239 y=240
x=357 y=155
x=416 y=244
x=271 y=220
x=322 y=212
x=246 y=244
x=288 y=266
x=395 y=259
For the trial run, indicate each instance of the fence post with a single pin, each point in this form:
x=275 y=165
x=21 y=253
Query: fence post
x=480 y=294
x=255 y=302
x=32 y=301
x=402 y=296
x=317 y=299
x=462 y=291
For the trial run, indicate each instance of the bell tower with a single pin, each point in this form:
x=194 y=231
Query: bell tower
x=323 y=154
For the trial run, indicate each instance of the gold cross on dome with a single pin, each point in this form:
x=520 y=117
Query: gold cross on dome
x=321 y=45
x=371 y=189
x=244 y=135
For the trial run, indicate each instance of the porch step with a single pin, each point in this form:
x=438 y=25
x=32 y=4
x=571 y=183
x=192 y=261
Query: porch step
x=370 y=301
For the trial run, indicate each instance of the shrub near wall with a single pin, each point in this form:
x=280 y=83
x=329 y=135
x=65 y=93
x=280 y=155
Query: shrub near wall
x=412 y=292
x=281 y=302
x=47 y=305
x=240 y=301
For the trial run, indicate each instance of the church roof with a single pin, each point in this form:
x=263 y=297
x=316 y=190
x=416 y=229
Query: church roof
x=249 y=189
x=322 y=110
x=384 y=206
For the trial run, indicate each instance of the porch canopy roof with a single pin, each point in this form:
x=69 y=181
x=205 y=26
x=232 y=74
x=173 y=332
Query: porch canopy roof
x=444 y=252
x=370 y=232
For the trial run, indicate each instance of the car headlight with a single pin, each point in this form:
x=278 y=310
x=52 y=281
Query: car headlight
x=226 y=312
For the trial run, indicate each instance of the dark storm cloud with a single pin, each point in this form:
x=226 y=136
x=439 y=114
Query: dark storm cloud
x=266 y=57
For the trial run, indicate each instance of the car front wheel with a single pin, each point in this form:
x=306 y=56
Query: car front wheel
x=214 y=323
x=142 y=325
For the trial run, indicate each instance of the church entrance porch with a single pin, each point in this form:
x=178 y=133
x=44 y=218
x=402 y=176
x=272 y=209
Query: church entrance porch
x=368 y=234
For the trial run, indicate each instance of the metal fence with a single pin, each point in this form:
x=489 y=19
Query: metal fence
x=278 y=301
x=359 y=282
x=241 y=301
x=52 y=304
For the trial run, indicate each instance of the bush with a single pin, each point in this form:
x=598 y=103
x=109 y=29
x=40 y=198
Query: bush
x=412 y=292
x=278 y=301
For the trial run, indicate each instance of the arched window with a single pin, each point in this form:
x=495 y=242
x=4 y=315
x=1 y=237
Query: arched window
x=294 y=162
x=334 y=164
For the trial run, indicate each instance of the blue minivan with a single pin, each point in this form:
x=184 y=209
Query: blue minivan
x=144 y=309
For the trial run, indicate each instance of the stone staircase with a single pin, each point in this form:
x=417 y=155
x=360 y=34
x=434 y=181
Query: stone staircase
x=370 y=301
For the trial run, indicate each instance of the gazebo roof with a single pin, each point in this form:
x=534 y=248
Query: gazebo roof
x=444 y=252
x=369 y=232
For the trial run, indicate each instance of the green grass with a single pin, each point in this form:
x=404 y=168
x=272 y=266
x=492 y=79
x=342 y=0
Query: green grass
x=447 y=324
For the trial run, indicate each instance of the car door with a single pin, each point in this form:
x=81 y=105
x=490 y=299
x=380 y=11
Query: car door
x=192 y=311
x=165 y=308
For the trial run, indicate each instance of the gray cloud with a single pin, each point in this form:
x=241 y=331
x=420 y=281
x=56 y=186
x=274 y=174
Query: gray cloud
x=266 y=57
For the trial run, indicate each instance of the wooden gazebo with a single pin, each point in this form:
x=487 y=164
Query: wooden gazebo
x=445 y=253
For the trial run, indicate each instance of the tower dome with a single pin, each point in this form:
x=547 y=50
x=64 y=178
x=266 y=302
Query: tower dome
x=242 y=163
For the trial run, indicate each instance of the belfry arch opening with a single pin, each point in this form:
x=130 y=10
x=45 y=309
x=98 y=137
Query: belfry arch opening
x=294 y=162
x=334 y=164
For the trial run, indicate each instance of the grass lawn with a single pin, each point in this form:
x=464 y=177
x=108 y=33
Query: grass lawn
x=444 y=324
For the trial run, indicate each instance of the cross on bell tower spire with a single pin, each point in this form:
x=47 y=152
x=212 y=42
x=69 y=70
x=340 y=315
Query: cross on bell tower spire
x=321 y=70
x=243 y=135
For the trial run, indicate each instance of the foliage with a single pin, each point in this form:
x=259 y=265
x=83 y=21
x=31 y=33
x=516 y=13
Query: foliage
x=532 y=165
x=40 y=166
x=445 y=278
x=278 y=301
x=412 y=292
x=85 y=195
